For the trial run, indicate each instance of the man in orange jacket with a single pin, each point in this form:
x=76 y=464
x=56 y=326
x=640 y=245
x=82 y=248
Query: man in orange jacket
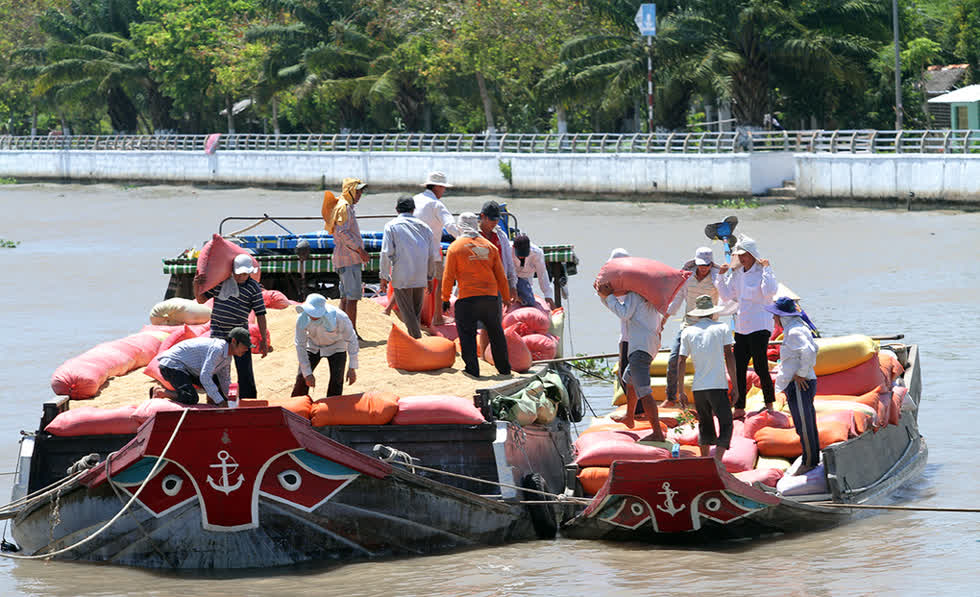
x=474 y=264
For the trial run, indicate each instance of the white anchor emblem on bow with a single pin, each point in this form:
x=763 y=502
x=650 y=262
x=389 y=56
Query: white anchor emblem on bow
x=228 y=465
x=668 y=506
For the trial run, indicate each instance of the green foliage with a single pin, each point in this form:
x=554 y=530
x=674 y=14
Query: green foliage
x=599 y=368
x=7 y=180
x=8 y=244
x=737 y=203
x=505 y=171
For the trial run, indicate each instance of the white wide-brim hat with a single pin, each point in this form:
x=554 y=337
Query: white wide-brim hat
x=746 y=245
x=704 y=307
x=437 y=178
x=315 y=305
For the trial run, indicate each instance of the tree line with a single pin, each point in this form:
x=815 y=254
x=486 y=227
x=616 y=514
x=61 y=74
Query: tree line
x=466 y=66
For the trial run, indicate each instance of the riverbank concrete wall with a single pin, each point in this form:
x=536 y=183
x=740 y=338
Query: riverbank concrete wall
x=840 y=177
x=723 y=174
x=847 y=176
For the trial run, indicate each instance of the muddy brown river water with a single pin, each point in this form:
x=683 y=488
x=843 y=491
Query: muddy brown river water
x=88 y=269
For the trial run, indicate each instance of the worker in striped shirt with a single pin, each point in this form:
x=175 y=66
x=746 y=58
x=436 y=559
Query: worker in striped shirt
x=234 y=299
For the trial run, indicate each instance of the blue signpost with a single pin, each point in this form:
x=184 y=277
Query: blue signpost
x=646 y=22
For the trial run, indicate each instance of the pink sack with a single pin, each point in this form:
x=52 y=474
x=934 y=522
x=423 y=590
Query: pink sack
x=605 y=453
x=517 y=352
x=153 y=367
x=855 y=381
x=740 y=456
x=276 y=300
x=542 y=346
x=82 y=377
x=766 y=476
x=437 y=410
x=152 y=406
x=86 y=420
x=143 y=347
x=215 y=262
x=687 y=435
x=765 y=419
x=535 y=321
x=256 y=336
x=587 y=440
x=654 y=281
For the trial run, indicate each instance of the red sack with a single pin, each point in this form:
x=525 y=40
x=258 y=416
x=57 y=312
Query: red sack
x=654 y=281
x=437 y=410
x=765 y=419
x=83 y=376
x=86 y=420
x=534 y=320
x=180 y=334
x=766 y=476
x=605 y=453
x=517 y=352
x=854 y=381
x=593 y=478
x=215 y=262
x=586 y=440
x=256 y=337
x=274 y=299
x=542 y=346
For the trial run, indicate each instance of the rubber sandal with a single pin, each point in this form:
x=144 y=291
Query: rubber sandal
x=666 y=445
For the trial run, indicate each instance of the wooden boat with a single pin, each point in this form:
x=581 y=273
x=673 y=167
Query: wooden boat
x=238 y=488
x=261 y=487
x=694 y=500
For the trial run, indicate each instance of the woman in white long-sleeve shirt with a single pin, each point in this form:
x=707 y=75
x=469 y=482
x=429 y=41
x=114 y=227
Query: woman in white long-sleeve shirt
x=324 y=332
x=797 y=379
x=752 y=284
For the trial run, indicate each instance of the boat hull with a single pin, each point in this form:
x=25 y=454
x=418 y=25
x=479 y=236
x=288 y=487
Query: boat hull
x=256 y=489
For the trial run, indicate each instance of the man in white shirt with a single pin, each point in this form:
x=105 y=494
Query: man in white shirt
x=797 y=379
x=430 y=209
x=703 y=282
x=324 y=331
x=528 y=262
x=644 y=324
x=407 y=261
x=753 y=286
x=709 y=344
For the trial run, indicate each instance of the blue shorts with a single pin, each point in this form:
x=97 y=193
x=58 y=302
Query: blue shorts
x=350 y=282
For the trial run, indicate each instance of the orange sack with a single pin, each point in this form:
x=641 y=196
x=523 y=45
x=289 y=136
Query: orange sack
x=300 y=405
x=425 y=354
x=785 y=443
x=593 y=478
x=517 y=351
x=368 y=408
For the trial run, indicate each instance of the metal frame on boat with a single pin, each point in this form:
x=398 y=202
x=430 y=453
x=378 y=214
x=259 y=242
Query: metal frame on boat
x=695 y=500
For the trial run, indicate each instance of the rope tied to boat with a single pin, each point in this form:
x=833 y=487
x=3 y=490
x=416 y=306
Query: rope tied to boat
x=557 y=497
x=112 y=521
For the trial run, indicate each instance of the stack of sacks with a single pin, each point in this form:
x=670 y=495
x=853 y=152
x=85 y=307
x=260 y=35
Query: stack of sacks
x=533 y=326
x=596 y=450
x=848 y=365
x=740 y=456
x=82 y=376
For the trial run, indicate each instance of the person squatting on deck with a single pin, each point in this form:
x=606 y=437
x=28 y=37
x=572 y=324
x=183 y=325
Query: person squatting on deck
x=204 y=362
x=324 y=331
x=797 y=379
x=349 y=256
x=528 y=261
x=234 y=299
x=709 y=344
x=704 y=281
x=644 y=325
x=430 y=209
x=489 y=216
x=408 y=259
x=474 y=264
x=753 y=285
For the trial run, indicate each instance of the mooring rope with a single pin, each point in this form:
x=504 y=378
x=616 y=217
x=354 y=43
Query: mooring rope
x=557 y=496
x=905 y=508
x=119 y=515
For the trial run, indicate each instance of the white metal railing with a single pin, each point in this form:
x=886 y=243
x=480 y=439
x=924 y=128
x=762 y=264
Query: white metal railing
x=816 y=141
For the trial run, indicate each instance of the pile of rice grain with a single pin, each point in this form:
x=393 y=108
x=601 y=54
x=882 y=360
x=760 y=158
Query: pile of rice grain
x=276 y=373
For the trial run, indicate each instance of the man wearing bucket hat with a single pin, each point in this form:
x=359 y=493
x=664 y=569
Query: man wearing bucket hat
x=234 y=299
x=704 y=281
x=324 y=331
x=709 y=344
x=752 y=285
x=797 y=379
x=430 y=209
x=204 y=362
